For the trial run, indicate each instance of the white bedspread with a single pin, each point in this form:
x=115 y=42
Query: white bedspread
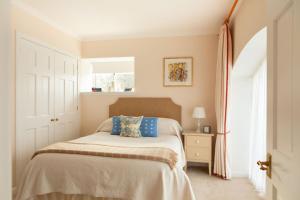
x=119 y=178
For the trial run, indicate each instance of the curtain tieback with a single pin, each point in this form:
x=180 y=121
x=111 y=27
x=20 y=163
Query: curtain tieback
x=223 y=133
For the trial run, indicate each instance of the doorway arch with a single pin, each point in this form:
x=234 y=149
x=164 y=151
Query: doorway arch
x=251 y=58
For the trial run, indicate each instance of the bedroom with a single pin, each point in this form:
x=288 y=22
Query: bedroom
x=72 y=95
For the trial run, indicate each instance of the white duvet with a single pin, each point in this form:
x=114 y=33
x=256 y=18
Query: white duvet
x=116 y=178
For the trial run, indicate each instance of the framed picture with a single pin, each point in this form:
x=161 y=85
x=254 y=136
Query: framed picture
x=178 y=71
x=206 y=129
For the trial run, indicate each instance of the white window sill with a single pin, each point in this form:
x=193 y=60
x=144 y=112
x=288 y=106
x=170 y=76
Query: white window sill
x=108 y=93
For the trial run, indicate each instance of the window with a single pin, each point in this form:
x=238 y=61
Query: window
x=110 y=74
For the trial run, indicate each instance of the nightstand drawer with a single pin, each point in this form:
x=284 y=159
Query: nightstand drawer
x=196 y=153
x=198 y=141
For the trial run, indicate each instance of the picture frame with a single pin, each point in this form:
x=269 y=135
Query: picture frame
x=178 y=72
x=207 y=129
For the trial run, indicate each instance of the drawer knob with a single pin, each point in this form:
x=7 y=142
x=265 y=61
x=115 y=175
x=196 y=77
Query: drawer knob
x=197 y=141
x=197 y=154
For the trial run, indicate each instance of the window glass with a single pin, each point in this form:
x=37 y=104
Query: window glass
x=108 y=74
x=113 y=82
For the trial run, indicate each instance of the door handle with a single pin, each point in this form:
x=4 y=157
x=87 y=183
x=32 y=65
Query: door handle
x=56 y=119
x=263 y=165
x=52 y=120
x=266 y=165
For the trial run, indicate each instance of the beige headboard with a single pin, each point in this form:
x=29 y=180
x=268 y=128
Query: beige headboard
x=146 y=106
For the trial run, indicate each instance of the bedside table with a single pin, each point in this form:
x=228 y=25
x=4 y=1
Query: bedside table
x=198 y=147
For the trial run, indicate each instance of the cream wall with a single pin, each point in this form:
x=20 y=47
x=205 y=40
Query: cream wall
x=250 y=17
x=149 y=54
x=33 y=27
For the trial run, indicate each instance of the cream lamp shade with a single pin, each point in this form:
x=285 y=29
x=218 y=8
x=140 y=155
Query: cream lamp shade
x=199 y=113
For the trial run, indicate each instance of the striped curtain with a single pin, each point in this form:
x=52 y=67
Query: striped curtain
x=224 y=66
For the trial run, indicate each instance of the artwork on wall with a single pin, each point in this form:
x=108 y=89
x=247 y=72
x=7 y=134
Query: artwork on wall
x=178 y=71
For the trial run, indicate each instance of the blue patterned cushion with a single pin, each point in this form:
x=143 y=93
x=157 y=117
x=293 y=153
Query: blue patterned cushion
x=148 y=127
x=116 y=129
x=130 y=126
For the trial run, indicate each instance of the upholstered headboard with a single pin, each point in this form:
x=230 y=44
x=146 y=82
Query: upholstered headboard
x=146 y=106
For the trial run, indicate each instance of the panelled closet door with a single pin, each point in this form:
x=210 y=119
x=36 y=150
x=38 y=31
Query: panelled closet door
x=66 y=98
x=46 y=99
x=35 y=97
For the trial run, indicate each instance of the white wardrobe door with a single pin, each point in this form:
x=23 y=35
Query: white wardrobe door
x=66 y=98
x=35 y=95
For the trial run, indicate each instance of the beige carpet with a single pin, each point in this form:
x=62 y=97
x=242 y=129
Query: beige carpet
x=212 y=188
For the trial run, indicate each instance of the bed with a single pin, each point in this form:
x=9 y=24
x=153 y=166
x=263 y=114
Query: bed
x=61 y=175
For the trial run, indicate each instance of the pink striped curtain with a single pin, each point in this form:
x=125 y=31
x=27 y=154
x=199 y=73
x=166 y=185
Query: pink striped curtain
x=224 y=65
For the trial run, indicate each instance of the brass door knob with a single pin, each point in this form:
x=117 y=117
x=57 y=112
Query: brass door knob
x=263 y=165
x=266 y=165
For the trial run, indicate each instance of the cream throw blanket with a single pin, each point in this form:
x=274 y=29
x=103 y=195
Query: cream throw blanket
x=159 y=154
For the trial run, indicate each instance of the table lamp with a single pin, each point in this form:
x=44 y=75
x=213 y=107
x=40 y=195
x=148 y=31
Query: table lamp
x=198 y=113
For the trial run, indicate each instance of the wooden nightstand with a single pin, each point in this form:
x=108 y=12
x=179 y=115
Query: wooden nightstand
x=198 y=147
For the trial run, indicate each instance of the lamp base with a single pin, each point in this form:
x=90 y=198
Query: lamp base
x=198 y=130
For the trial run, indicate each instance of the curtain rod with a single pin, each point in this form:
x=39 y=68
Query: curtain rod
x=231 y=11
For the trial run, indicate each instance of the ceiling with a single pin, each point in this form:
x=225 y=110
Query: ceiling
x=109 y=19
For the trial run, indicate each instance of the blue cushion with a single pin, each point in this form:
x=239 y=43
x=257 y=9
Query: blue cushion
x=116 y=129
x=148 y=127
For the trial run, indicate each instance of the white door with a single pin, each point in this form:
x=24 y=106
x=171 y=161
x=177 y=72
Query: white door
x=284 y=99
x=5 y=103
x=66 y=98
x=34 y=96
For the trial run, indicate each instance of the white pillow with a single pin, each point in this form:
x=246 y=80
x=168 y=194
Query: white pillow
x=168 y=126
x=165 y=126
x=105 y=126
